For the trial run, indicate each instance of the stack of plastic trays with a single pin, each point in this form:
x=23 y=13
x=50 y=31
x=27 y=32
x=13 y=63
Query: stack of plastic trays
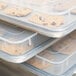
x=18 y=45
x=56 y=18
x=56 y=61
x=53 y=18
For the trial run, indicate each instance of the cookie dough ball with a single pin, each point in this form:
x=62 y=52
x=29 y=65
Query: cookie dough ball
x=56 y=21
x=19 y=12
x=63 y=6
x=2 y=5
x=16 y=49
x=47 y=20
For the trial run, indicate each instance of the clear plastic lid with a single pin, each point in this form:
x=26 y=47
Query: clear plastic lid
x=51 y=57
x=13 y=34
x=47 y=6
x=60 y=51
x=66 y=45
x=47 y=15
x=51 y=6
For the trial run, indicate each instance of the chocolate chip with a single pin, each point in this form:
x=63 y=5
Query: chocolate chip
x=53 y=23
x=41 y=18
x=16 y=51
x=59 y=3
x=45 y=24
x=13 y=12
x=61 y=23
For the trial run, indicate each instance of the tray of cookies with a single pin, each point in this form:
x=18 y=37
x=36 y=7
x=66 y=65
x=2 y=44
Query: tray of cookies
x=17 y=44
x=52 y=18
x=58 y=58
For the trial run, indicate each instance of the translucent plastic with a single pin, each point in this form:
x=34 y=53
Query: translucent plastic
x=17 y=41
x=50 y=5
x=54 y=62
x=70 y=72
x=14 y=39
x=13 y=34
x=53 y=18
x=45 y=8
x=52 y=14
x=69 y=41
